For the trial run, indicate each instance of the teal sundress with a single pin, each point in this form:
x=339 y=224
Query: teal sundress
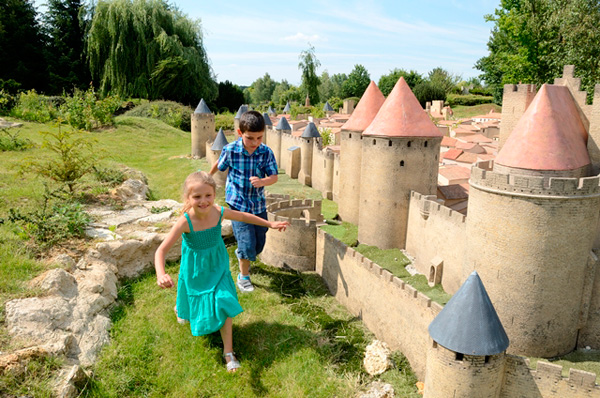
x=206 y=295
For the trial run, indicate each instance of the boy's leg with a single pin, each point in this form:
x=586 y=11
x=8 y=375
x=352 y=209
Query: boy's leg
x=260 y=234
x=246 y=252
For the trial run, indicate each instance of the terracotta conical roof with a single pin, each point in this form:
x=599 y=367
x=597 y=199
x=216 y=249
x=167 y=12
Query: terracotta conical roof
x=367 y=108
x=401 y=115
x=202 y=107
x=549 y=136
x=469 y=324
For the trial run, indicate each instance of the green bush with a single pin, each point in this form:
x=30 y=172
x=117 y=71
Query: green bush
x=83 y=110
x=327 y=138
x=172 y=113
x=34 y=107
x=225 y=121
x=336 y=103
x=468 y=100
x=108 y=176
x=426 y=92
x=7 y=102
x=12 y=142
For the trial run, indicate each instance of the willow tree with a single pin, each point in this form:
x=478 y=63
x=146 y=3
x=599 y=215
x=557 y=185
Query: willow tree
x=148 y=49
x=310 y=80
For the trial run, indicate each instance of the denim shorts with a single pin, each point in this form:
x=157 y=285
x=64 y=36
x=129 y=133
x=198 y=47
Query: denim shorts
x=250 y=238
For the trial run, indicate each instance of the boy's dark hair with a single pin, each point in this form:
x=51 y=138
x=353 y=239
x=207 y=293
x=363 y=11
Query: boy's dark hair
x=252 y=121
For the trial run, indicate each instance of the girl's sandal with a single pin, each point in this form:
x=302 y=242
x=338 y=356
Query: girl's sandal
x=233 y=364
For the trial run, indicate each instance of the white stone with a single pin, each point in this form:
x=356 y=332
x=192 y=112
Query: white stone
x=377 y=358
x=378 y=389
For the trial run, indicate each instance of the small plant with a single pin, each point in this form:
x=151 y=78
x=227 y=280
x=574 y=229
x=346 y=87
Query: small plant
x=83 y=110
x=53 y=221
x=327 y=136
x=108 y=176
x=157 y=210
x=224 y=121
x=34 y=107
x=76 y=157
x=170 y=112
x=12 y=142
x=7 y=102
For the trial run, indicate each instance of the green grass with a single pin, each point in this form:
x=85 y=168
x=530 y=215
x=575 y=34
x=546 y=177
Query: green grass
x=461 y=111
x=588 y=360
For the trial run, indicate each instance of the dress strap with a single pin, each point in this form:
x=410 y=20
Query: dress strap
x=189 y=222
x=221 y=217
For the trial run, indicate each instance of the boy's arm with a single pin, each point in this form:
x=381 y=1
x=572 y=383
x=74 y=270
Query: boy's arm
x=214 y=168
x=270 y=170
x=263 y=182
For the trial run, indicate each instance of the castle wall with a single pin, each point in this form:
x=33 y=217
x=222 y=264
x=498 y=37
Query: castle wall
x=545 y=381
x=306 y=155
x=471 y=376
x=220 y=177
x=528 y=242
x=390 y=169
x=322 y=170
x=350 y=165
x=287 y=140
x=594 y=131
x=435 y=231
x=203 y=130
x=515 y=100
x=274 y=142
x=394 y=311
x=590 y=334
x=336 y=177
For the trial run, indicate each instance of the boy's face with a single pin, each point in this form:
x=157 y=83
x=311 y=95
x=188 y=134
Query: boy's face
x=251 y=139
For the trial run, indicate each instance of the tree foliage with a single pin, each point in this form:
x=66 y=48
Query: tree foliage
x=532 y=40
x=387 y=82
x=357 y=83
x=442 y=79
x=148 y=49
x=230 y=96
x=22 y=45
x=310 y=80
x=66 y=34
x=426 y=92
x=262 y=89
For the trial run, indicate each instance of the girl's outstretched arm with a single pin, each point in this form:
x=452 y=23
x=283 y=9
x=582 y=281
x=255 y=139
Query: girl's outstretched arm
x=162 y=278
x=252 y=219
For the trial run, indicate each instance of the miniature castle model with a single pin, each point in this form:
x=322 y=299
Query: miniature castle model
x=203 y=127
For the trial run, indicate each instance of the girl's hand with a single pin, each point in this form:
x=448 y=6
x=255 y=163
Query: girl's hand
x=164 y=281
x=279 y=225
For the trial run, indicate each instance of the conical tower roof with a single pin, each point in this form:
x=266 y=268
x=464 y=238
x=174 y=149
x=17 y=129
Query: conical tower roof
x=283 y=125
x=310 y=131
x=469 y=324
x=268 y=121
x=328 y=108
x=366 y=110
x=243 y=109
x=220 y=141
x=401 y=115
x=549 y=136
x=202 y=107
x=287 y=107
x=271 y=111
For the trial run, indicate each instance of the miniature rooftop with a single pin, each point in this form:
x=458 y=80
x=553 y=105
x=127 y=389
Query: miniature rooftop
x=549 y=136
x=220 y=141
x=366 y=110
x=469 y=324
x=202 y=107
x=401 y=115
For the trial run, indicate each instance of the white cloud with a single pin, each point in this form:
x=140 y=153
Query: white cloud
x=302 y=38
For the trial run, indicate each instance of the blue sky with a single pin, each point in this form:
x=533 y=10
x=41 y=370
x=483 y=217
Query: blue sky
x=246 y=39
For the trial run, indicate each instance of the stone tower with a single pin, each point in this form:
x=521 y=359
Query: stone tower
x=467 y=356
x=351 y=151
x=203 y=129
x=268 y=128
x=531 y=226
x=236 y=119
x=283 y=127
x=213 y=152
x=400 y=152
x=287 y=108
x=309 y=135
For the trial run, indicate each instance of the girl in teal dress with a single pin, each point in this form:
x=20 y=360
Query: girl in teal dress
x=206 y=295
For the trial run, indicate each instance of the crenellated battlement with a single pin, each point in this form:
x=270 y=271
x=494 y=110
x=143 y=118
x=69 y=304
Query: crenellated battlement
x=520 y=88
x=483 y=177
x=429 y=207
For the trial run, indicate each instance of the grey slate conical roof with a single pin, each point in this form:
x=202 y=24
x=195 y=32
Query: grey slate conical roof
x=469 y=324
x=271 y=111
x=243 y=109
x=327 y=107
x=310 y=131
x=202 y=107
x=287 y=107
x=283 y=125
x=220 y=141
x=268 y=121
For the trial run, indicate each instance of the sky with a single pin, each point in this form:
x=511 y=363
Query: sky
x=246 y=39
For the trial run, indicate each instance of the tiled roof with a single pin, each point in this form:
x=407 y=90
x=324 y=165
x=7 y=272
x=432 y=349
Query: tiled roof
x=448 y=141
x=454 y=172
x=549 y=136
x=454 y=191
x=401 y=115
x=366 y=110
x=467 y=157
x=452 y=154
x=478 y=138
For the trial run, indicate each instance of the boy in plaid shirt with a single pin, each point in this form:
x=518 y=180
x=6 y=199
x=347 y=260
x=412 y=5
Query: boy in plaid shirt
x=252 y=167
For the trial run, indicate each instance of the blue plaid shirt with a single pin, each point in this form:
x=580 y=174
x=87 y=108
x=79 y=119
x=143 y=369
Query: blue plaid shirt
x=239 y=192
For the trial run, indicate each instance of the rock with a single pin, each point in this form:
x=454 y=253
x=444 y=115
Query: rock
x=378 y=389
x=102 y=234
x=65 y=261
x=134 y=174
x=16 y=362
x=226 y=228
x=56 y=281
x=131 y=190
x=69 y=382
x=377 y=358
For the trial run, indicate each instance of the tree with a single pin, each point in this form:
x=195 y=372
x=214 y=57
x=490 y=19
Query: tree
x=357 y=83
x=532 y=40
x=426 y=92
x=230 y=96
x=441 y=78
x=22 y=45
x=326 y=87
x=278 y=92
x=387 y=82
x=148 y=49
x=66 y=62
x=262 y=89
x=310 y=81
x=338 y=80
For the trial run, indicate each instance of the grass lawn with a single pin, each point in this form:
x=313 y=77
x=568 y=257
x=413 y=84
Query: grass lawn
x=293 y=339
x=461 y=111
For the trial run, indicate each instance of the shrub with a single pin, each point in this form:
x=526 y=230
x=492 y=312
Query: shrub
x=224 y=121
x=7 y=102
x=468 y=100
x=336 y=103
x=34 y=107
x=108 y=176
x=172 y=113
x=327 y=138
x=83 y=110
x=12 y=142
x=426 y=92
x=76 y=157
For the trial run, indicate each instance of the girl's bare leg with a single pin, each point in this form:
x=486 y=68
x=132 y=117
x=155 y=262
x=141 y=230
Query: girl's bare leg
x=226 y=335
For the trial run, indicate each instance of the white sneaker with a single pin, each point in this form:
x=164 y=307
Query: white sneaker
x=244 y=284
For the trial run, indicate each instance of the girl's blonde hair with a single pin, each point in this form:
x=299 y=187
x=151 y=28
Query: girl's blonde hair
x=197 y=177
